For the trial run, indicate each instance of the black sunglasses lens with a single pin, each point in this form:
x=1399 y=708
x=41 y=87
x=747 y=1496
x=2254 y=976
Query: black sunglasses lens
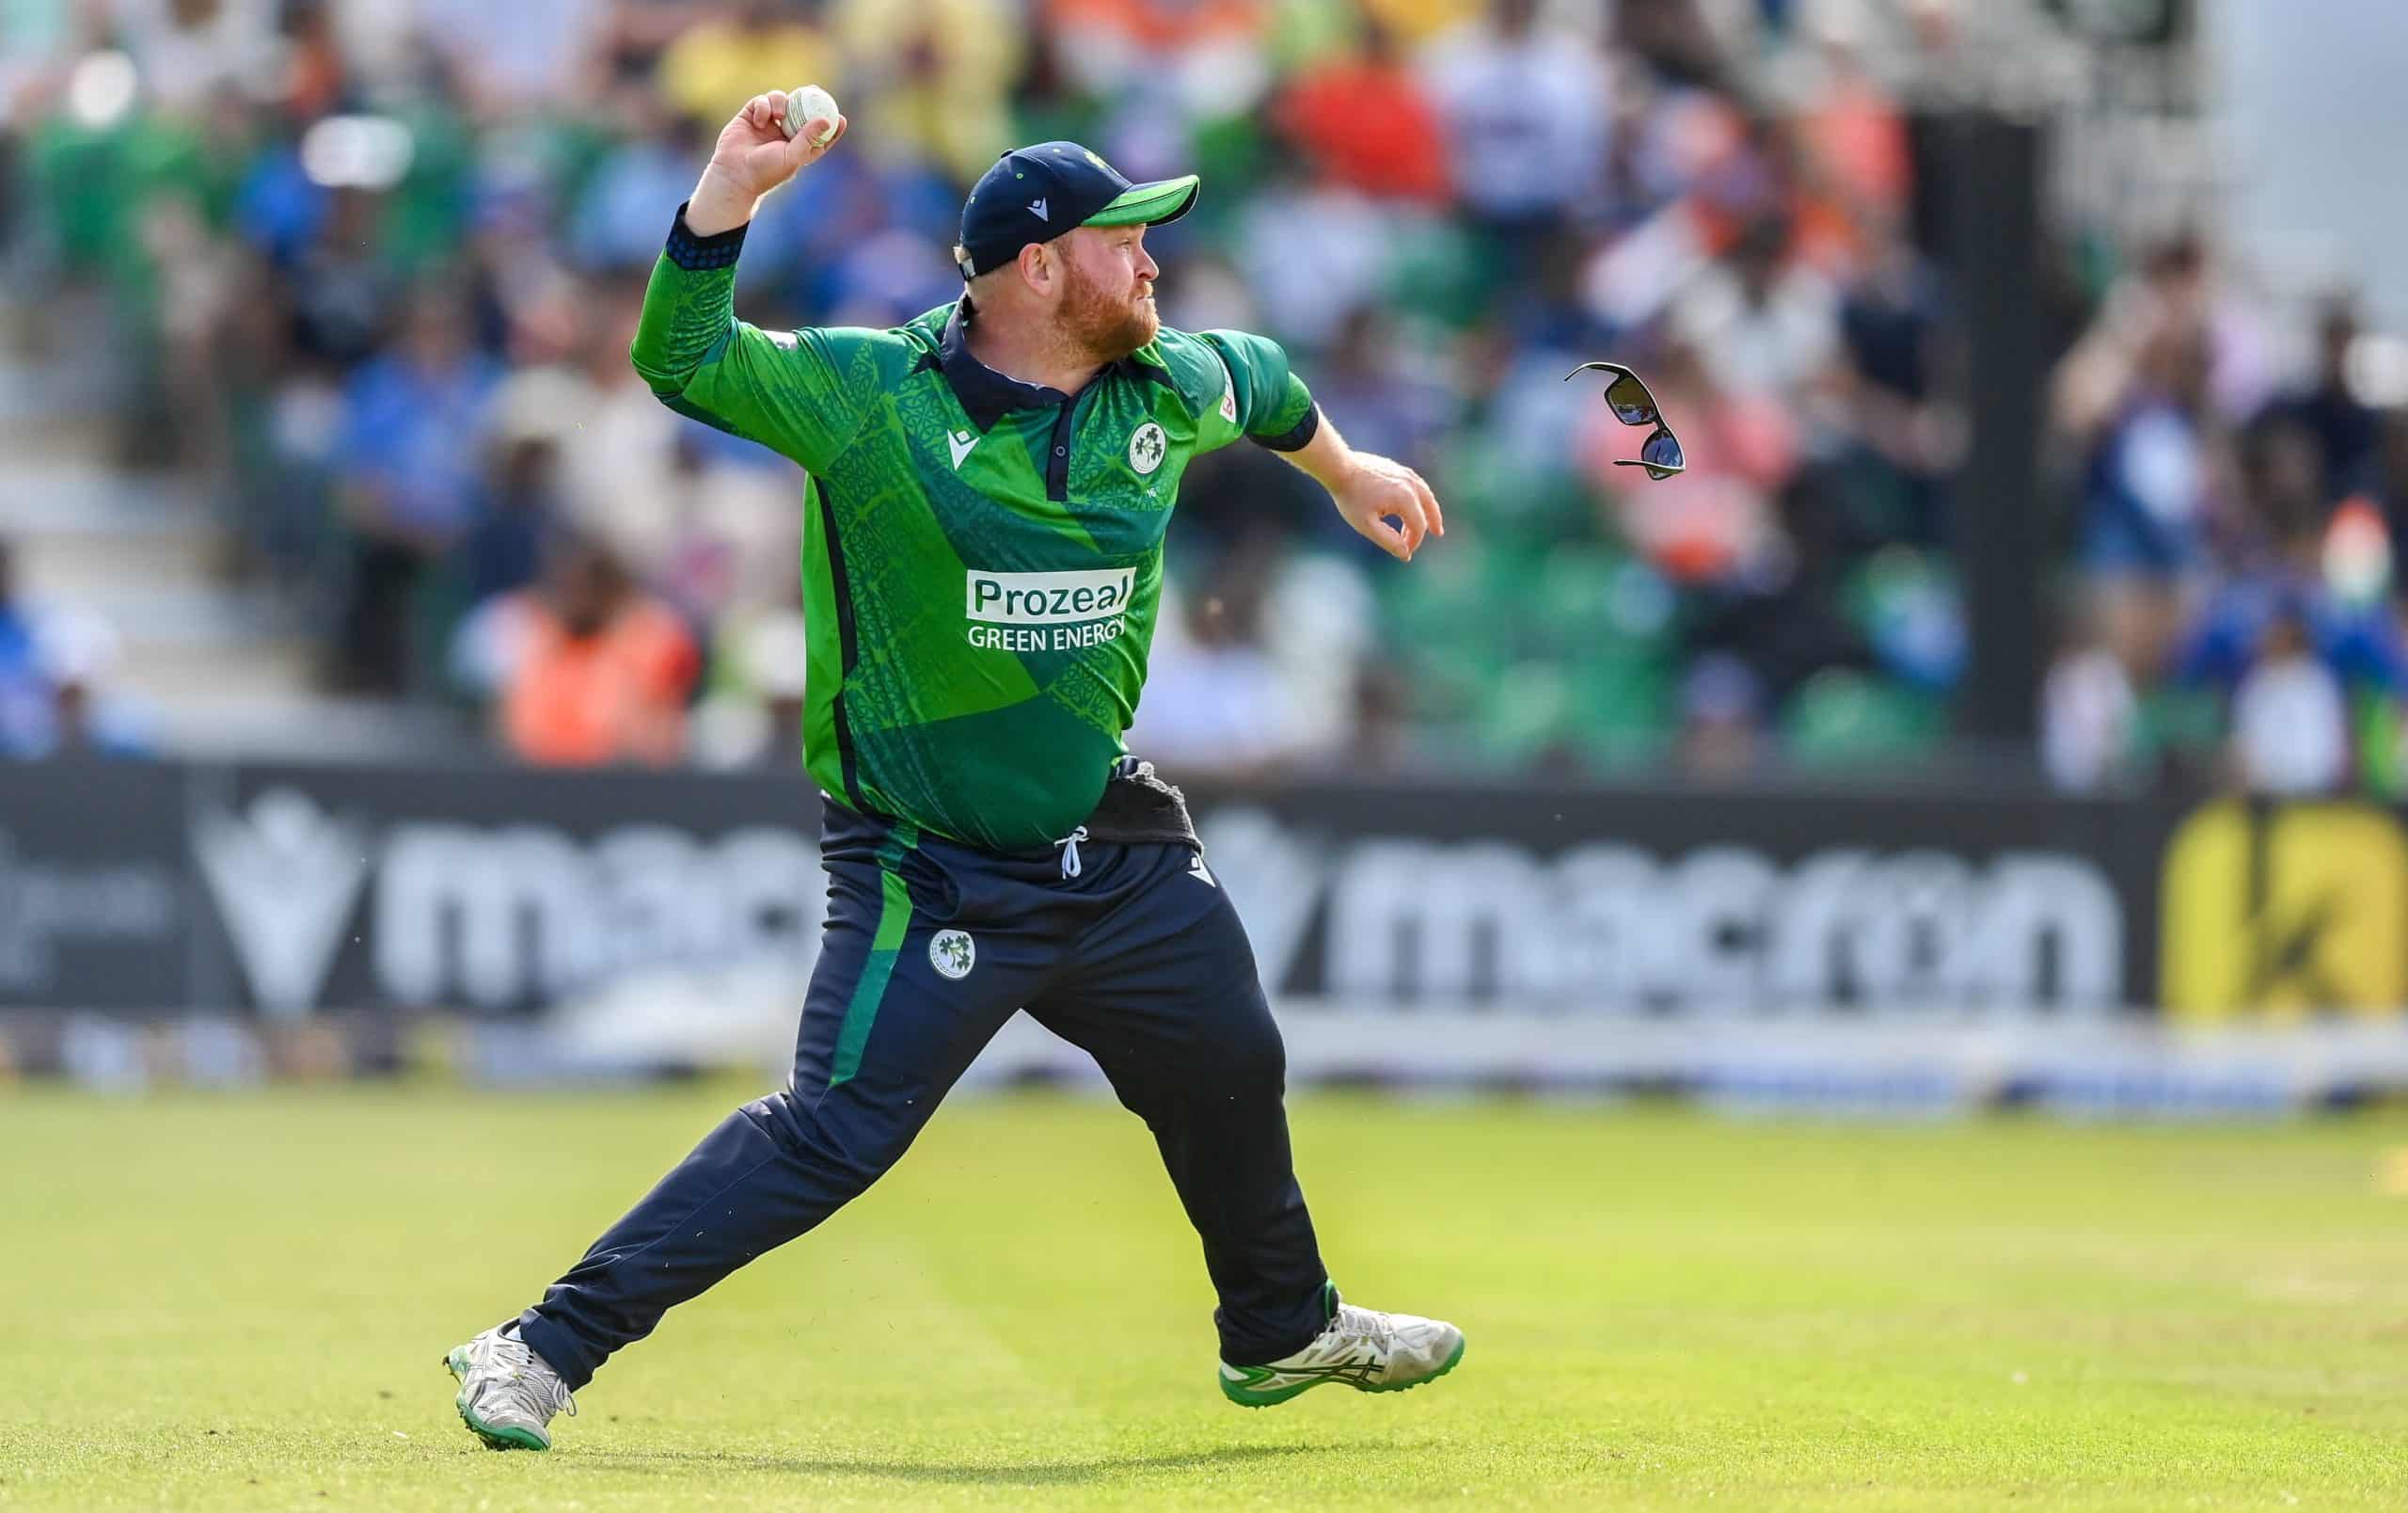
x=1662 y=454
x=1632 y=405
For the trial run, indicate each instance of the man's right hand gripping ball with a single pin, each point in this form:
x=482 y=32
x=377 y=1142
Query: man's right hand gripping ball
x=751 y=157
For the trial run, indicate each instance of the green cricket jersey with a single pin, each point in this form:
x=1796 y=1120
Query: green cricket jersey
x=982 y=558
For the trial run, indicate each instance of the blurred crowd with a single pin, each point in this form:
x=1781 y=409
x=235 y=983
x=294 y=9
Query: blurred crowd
x=375 y=264
x=52 y=664
x=2233 y=616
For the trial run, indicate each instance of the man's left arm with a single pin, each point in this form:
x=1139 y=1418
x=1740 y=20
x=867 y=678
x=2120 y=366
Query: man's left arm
x=1268 y=403
x=1370 y=491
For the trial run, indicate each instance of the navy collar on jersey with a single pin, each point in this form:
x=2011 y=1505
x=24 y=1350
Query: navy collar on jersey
x=987 y=396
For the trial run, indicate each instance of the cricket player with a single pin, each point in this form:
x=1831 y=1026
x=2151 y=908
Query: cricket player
x=982 y=564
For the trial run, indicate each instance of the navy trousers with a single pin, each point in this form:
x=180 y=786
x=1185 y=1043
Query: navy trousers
x=930 y=945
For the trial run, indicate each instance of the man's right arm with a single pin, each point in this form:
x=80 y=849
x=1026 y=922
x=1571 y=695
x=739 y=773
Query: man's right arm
x=798 y=393
x=794 y=391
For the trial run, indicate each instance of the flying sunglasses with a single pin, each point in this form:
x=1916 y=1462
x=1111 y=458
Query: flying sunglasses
x=1632 y=405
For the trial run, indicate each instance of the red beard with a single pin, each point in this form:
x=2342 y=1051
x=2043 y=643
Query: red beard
x=1108 y=327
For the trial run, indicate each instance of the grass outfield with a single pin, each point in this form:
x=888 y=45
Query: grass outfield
x=242 y=1302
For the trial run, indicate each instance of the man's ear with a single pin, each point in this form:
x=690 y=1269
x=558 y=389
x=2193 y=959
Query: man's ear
x=1038 y=267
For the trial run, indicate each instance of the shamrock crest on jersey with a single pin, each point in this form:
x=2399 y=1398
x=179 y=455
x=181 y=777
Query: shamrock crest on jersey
x=1146 y=448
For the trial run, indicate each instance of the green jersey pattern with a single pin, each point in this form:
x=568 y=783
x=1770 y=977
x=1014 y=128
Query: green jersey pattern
x=980 y=604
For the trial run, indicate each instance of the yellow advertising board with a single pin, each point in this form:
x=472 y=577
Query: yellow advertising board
x=2274 y=912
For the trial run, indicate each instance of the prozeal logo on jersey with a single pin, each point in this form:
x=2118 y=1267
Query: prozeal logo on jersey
x=1047 y=611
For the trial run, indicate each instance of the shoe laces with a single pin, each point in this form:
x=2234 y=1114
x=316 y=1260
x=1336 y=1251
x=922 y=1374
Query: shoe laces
x=1367 y=1325
x=535 y=1385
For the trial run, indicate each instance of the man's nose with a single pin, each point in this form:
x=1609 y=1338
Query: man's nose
x=1148 y=268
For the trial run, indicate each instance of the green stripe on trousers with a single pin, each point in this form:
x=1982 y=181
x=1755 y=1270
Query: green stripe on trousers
x=894 y=920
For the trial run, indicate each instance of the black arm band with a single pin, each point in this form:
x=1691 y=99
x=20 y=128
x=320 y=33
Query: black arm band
x=1296 y=438
x=700 y=254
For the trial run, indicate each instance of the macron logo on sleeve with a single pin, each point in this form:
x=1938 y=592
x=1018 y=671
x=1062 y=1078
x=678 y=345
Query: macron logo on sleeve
x=960 y=443
x=1229 y=388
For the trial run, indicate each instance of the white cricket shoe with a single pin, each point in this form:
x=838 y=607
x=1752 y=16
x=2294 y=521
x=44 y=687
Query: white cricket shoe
x=1370 y=1351
x=507 y=1393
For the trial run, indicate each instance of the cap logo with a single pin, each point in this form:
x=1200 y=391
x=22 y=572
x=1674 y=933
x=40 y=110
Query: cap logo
x=1037 y=208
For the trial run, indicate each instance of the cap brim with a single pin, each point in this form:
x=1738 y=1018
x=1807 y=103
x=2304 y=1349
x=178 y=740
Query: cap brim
x=1149 y=204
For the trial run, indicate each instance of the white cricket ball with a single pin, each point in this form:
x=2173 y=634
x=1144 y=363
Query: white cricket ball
x=809 y=104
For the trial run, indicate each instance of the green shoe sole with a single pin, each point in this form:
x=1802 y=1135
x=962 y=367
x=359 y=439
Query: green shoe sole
x=1247 y=1397
x=501 y=1439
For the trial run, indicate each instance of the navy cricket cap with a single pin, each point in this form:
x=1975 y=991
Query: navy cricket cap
x=1034 y=193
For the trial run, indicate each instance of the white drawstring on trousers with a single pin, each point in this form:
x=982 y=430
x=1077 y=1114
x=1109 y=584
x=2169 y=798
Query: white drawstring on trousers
x=1070 y=844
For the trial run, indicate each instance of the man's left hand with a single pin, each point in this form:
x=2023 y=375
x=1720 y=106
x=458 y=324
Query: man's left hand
x=1378 y=490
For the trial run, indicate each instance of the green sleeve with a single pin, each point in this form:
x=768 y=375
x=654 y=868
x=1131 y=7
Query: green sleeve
x=804 y=393
x=1274 y=407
